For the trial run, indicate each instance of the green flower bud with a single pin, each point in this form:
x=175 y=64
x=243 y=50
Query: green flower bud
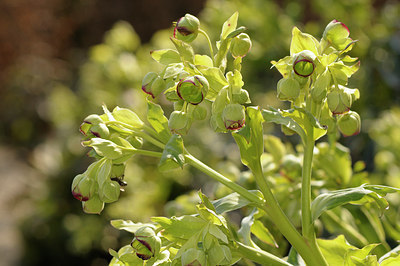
x=303 y=64
x=336 y=33
x=339 y=100
x=240 y=45
x=145 y=243
x=110 y=191
x=153 y=84
x=179 y=122
x=193 y=257
x=89 y=122
x=321 y=85
x=288 y=89
x=94 y=205
x=82 y=187
x=233 y=116
x=192 y=89
x=187 y=28
x=349 y=124
x=100 y=131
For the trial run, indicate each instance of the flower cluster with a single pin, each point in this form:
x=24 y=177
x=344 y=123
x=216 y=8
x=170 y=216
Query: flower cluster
x=315 y=77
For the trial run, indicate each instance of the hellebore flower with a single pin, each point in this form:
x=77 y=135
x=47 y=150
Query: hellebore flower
x=179 y=122
x=337 y=34
x=288 y=89
x=233 y=116
x=187 y=28
x=153 y=84
x=82 y=187
x=240 y=45
x=349 y=124
x=146 y=244
x=192 y=89
x=303 y=64
x=93 y=125
x=340 y=100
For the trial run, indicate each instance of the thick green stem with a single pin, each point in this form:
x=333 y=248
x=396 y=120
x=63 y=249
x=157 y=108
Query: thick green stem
x=223 y=180
x=272 y=208
x=259 y=256
x=306 y=219
x=209 y=44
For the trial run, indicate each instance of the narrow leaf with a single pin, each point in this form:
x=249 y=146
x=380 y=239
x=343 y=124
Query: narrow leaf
x=229 y=25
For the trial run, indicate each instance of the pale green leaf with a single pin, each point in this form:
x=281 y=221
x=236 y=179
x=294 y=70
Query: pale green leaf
x=185 y=50
x=229 y=25
x=129 y=226
x=215 y=78
x=109 y=149
x=104 y=171
x=261 y=232
x=302 y=41
x=172 y=156
x=156 y=118
x=203 y=60
x=127 y=116
x=166 y=56
x=232 y=202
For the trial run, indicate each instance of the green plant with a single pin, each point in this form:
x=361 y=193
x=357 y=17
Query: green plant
x=314 y=80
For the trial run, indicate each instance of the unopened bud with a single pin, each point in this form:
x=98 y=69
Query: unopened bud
x=339 y=100
x=153 y=84
x=94 y=205
x=349 y=124
x=303 y=64
x=242 y=97
x=193 y=89
x=288 y=89
x=82 y=187
x=193 y=257
x=146 y=244
x=110 y=191
x=89 y=122
x=100 y=131
x=233 y=116
x=336 y=33
x=187 y=28
x=240 y=45
x=178 y=122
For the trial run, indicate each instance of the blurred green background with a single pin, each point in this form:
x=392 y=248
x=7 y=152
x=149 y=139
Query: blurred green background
x=61 y=59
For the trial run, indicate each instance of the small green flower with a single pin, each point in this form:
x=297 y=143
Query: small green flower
x=145 y=243
x=337 y=34
x=240 y=45
x=192 y=89
x=153 y=84
x=187 y=28
x=303 y=64
x=340 y=100
x=94 y=205
x=233 y=116
x=179 y=122
x=93 y=125
x=288 y=89
x=82 y=187
x=349 y=124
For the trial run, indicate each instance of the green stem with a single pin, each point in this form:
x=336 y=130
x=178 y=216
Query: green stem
x=149 y=153
x=223 y=180
x=150 y=139
x=282 y=222
x=306 y=219
x=209 y=44
x=259 y=256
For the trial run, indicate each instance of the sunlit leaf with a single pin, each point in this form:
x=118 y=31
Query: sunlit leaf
x=172 y=156
x=166 y=56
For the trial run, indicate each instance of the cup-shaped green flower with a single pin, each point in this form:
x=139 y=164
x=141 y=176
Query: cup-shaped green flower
x=146 y=243
x=82 y=187
x=193 y=257
x=337 y=34
x=349 y=124
x=93 y=125
x=193 y=89
x=233 y=116
x=288 y=89
x=303 y=64
x=240 y=45
x=339 y=100
x=187 y=28
x=153 y=84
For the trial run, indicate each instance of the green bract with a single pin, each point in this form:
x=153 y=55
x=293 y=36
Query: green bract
x=336 y=34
